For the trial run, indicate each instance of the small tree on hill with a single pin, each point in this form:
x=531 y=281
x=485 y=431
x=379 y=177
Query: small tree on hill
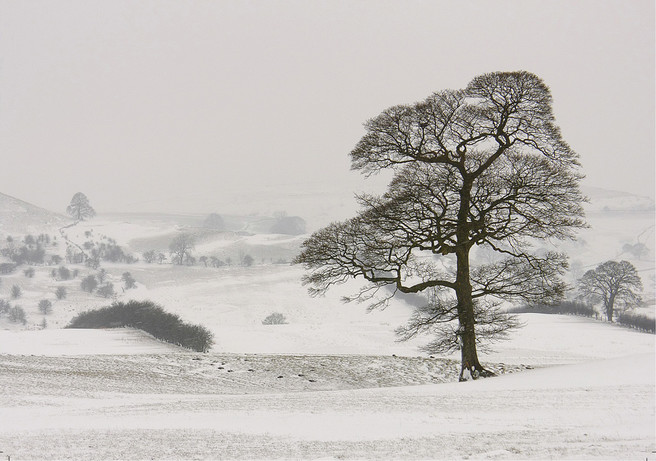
x=181 y=247
x=80 y=209
x=45 y=306
x=612 y=283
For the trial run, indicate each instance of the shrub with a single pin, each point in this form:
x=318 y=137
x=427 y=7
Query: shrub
x=89 y=283
x=45 y=306
x=106 y=290
x=149 y=317
x=638 y=321
x=4 y=306
x=129 y=281
x=16 y=292
x=275 y=319
x=63 y=273
x=16 y=314
x=29 y=272
x=60 y=292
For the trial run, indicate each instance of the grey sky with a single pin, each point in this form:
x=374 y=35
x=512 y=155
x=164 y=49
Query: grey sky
x=131 y=101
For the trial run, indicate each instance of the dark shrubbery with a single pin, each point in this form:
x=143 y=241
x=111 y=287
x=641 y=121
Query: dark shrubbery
x=638 y=321
x=565 y=307
x=149 y=317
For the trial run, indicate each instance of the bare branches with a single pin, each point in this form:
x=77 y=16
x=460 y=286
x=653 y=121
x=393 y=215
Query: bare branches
x=482 y=166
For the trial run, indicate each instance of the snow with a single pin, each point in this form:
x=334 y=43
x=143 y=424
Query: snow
x=332 y=383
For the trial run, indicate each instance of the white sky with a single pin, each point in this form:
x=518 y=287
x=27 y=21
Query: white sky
x=134 y=101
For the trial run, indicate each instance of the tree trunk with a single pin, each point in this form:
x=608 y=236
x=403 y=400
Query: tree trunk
x=610 y=307
x=470 y=366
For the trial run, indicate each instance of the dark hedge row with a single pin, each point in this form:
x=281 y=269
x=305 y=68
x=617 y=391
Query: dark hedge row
x=565 y=307
x=638 y=321
x=149 y=317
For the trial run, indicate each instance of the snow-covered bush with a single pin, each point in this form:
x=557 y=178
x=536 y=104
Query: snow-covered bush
x=274 y=319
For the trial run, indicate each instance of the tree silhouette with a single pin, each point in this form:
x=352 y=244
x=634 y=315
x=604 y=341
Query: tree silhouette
x=613 y=283
x=80 y=209
x=481 y=167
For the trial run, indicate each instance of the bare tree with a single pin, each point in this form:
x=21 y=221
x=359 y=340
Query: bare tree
x=612 y=283
x=484 y=166
x=181 y=247
x=80 y=209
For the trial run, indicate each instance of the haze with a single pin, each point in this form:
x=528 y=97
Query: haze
x=176 y=106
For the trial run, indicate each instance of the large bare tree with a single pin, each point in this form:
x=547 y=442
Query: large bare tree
x=613 y=283
x=484 y=167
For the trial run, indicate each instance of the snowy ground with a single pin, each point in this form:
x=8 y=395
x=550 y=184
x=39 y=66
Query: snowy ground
x=63 y=399
x=332 y=383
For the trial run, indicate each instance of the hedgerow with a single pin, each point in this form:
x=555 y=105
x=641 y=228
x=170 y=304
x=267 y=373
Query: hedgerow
x=638 y=321
x=149 y=317
x=565 y=307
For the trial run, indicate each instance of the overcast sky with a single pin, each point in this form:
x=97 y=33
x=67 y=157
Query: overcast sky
x=136 y=103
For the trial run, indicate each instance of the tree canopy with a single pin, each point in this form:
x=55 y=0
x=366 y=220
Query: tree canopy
x=484 y=167
x=80 y=208
x=612 y=283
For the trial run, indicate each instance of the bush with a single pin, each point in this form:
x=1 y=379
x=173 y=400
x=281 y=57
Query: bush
x=16 y=292
x=4 y=306
x=45 y=306
x=89 y=283
x=16 y=314
x=275 y=319
x=63 y=273
x=638 y=321
x=565 y=307
x=60 y=292
x=29 y=272
x=129 y=281
x=106 y=290
x=149 y=317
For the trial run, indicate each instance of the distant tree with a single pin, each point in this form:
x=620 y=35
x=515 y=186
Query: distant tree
x=63 y=273
x=274 y=319
x=203 y=260
x=150 y=256
x=89 y=283
x=60 y=293
x=16 y=314
x=181 y=247
x=216 y=262
x=214 y=221
x=101 y=275
x=80 y=208
x=288 y=225
x=55 y=259
x=612 y=283
x=16 y=292
x=638 y=250
x=29 y=272
x=128 y=280
x=161 y=257
x=484 y=166
x=247 y=260
x=4 y=306
x=45 y=306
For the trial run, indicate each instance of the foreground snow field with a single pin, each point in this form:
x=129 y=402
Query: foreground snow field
x=159 y=403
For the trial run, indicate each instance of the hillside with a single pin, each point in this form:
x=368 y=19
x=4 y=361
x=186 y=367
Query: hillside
x=19 y=217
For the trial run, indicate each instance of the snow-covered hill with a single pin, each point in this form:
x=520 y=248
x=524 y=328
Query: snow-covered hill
x=19 y=217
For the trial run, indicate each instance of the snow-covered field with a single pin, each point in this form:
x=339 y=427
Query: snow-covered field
x=331 y=383
x=78 y=395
